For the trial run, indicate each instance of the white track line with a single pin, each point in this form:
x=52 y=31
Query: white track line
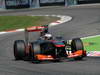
x=91 y=37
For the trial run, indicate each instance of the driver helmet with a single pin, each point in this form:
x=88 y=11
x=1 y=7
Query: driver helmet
x=48 y=36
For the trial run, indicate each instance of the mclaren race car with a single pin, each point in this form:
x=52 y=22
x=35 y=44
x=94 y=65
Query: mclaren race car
x=47 y=47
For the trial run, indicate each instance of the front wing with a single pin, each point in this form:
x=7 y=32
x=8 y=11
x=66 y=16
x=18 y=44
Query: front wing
x=79 y=53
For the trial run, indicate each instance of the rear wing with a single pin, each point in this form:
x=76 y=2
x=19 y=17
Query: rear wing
x=36 y=28
x=41 y=29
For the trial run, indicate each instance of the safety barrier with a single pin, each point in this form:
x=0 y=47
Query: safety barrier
x=13 y=4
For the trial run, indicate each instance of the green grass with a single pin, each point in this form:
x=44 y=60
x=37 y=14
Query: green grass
x=16 y=22
x=92 y=44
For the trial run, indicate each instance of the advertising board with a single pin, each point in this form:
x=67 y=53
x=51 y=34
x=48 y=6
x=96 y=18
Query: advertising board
x=22 y=2
x=50 y=1
x=10 y=2
x=17 y=3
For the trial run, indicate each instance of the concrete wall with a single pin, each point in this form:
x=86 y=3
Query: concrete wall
x=70 y=2
x=34 y=3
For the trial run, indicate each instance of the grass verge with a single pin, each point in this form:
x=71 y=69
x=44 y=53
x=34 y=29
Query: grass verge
x=92 y=44
x=16 y=22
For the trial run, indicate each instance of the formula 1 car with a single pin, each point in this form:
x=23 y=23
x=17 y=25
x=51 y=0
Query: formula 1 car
x=43 y=49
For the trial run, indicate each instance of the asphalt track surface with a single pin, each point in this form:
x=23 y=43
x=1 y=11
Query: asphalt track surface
x=86 y=21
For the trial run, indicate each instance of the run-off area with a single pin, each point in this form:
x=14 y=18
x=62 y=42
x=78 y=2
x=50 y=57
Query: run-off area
x=92 y=45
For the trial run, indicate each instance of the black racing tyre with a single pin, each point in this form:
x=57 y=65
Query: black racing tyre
x=19 y=49
x=77 y=44
x=35 y=49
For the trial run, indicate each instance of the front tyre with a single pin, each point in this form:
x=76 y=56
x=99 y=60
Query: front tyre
x=77 y=44
x=19 y=49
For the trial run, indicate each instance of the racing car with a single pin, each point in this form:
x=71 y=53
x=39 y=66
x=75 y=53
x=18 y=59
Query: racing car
x=47 y=48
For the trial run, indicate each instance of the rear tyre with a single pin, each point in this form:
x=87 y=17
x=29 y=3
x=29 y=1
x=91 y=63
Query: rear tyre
x=19 y=49
x=35 y=49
